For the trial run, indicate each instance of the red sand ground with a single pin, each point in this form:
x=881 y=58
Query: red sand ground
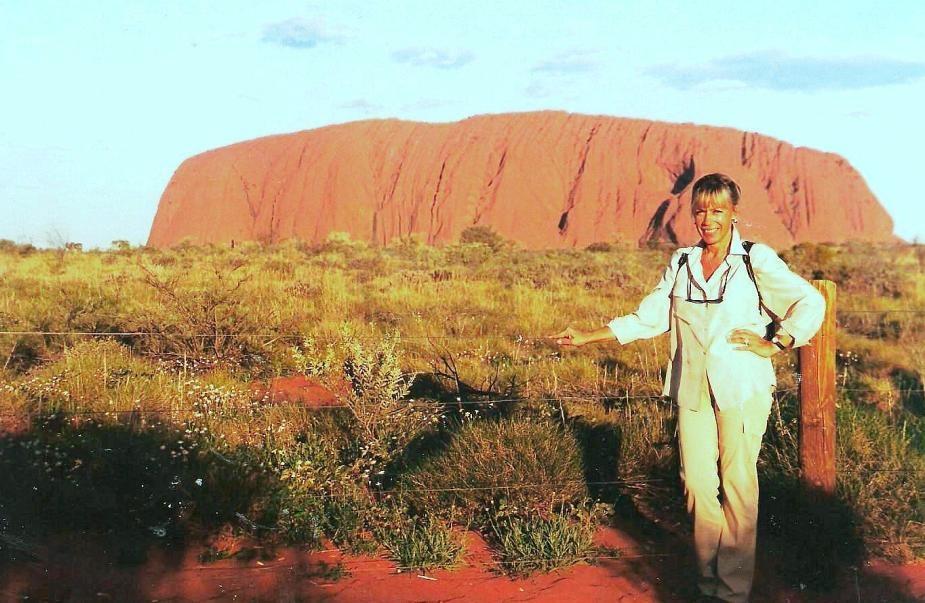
x=77 y=570
x=648 y=568
x=297 y=389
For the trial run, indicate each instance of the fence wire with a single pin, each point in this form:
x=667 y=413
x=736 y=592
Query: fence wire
x=287 y=336
x=449 y=404
x=446 y=403
x=455 y=402
x=613 y=554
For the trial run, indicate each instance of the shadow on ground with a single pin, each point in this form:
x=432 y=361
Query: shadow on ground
x=116 y=493
x=120 y=510
x=810 y=548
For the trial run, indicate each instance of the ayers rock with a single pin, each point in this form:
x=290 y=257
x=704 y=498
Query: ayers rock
x=545 y=179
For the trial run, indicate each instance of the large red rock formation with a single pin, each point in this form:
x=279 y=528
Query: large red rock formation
x=545 y=179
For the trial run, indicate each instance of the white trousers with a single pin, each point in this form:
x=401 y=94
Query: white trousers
x=719 y=456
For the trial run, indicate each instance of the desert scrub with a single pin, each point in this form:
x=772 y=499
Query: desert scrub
x=300 y=517
x=98 y=377
x=199 y=315
x=57 y=306
x=527 y=544
x=525 y=463
x=384 y=420
x=877 y=277
x=485 y=310
x=630 y=452
x=317 y=495
x=881 y=475
x=421 y=542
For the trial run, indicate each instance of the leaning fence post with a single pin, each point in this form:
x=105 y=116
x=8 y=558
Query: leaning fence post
x=817 y=401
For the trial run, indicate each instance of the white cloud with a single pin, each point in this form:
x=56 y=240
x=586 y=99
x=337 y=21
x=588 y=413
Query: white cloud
x=301 y=33
x=433 y=57
x=360 y=105
x=777 y=71
x=568 y=63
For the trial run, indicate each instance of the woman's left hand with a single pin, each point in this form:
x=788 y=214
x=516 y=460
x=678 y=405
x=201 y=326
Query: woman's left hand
x=752 y=342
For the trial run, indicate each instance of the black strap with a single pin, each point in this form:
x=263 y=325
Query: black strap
x=747 y=258
x=774 y=324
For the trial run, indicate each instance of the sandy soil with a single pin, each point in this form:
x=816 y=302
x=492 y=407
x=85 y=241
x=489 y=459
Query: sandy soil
x=297 y=389
x=80 y=569
x=648 y=564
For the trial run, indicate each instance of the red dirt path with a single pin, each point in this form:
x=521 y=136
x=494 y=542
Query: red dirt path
x=76 y=570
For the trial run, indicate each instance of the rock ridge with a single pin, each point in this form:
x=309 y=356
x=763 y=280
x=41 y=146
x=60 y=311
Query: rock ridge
x=546 y=179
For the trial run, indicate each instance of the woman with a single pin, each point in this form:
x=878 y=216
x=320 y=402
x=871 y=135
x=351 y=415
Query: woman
x=713 y=299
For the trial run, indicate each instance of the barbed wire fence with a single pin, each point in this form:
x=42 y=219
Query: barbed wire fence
x=613 y=555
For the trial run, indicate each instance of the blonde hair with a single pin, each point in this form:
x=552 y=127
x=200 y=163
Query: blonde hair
x=715 y=185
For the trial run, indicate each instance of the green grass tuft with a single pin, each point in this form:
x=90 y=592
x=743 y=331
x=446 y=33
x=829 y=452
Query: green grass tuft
x=536 y=543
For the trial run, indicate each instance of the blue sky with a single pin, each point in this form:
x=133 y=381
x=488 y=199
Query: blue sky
x=103 y=100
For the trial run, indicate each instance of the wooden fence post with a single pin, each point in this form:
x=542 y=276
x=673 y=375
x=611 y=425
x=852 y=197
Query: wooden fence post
x=817 y=402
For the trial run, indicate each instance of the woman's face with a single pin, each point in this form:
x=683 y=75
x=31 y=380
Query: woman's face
x=713 y=219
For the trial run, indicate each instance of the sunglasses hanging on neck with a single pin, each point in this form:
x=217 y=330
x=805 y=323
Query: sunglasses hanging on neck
x=722 y=287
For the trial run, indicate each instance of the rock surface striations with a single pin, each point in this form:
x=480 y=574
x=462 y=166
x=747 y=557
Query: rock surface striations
x=545 y=179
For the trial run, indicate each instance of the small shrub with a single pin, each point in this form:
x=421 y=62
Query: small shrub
x=23 y=249
x=163 y=260
x=648 y=458
x=441 y=274
x=528 y=464
x=281 y=268
x=298 y=506
x=422 y=543
x=530 y=544
x=385 y=422
x=484 y=235
x=339 y=242
x=470 y=255
x=348 y=521
x=599 y=247
x=204 y=322
x=302 y=520
x=877 y=391
x=233 y=486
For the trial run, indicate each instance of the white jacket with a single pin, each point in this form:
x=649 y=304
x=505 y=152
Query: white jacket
x=698 y=332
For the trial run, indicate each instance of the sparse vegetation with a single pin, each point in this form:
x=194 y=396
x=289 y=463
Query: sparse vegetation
x=540 y=543
x=421 y=542
x=525 y=463
x=445 y=383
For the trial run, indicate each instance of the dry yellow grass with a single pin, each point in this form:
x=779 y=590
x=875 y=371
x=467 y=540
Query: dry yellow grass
x=470 y=322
